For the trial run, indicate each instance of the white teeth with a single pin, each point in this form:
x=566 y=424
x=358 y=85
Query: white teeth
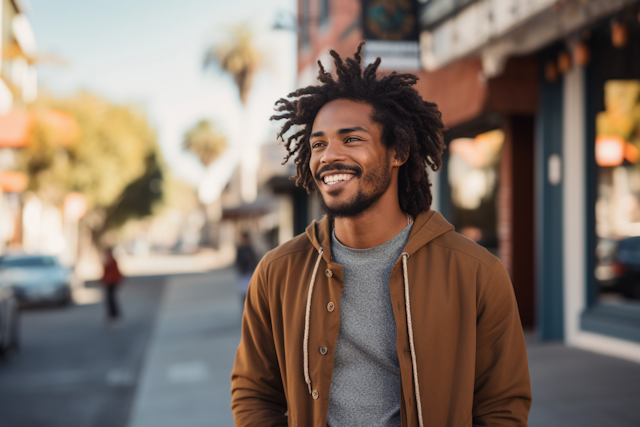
x=332 y=179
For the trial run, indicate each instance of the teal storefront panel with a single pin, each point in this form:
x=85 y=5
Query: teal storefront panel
x=550 y=305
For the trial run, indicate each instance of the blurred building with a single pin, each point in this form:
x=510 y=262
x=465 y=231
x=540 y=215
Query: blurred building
x=28 y=223
x=18 y=77
x=18 y=86
x=280 y=211
x=542 y=105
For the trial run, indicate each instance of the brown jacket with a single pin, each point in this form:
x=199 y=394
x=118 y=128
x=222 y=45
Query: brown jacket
x=470 y=354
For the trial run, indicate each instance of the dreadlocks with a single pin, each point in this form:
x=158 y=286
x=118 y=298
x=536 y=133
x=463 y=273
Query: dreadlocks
x=409 y=124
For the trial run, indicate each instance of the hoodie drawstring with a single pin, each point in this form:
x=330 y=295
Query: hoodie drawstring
x=307 y=316
x=414 y=363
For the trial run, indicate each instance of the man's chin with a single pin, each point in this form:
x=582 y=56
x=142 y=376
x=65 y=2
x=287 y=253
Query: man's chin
x=334 y=194
x=343 y=207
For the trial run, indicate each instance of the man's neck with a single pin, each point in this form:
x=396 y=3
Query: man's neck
x=377 y=225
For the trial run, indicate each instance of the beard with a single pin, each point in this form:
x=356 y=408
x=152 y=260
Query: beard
x=378 y=179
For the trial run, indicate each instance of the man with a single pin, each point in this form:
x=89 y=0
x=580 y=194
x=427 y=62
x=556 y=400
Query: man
x=380 y=314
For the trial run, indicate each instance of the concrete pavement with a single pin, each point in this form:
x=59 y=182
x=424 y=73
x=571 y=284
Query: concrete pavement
x=573 y=387
x=186 y=378
x=185 y=381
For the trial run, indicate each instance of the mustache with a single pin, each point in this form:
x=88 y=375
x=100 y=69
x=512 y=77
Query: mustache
x=357 y=171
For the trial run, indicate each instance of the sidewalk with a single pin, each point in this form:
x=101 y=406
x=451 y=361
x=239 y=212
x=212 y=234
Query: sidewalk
x=185 y=380
x=573 y=387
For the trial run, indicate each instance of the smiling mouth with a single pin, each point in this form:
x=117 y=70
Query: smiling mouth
x=335 y=179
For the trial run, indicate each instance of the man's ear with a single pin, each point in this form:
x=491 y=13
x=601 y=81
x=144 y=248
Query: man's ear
x=397 y=162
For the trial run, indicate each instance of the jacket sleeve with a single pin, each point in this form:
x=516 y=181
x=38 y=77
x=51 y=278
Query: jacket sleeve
x=257 y=394
x=502 y=394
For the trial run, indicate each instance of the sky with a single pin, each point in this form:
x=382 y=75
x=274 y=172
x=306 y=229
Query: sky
x=149 y=53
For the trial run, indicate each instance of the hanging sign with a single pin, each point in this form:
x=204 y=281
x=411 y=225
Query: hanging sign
x=391 y=30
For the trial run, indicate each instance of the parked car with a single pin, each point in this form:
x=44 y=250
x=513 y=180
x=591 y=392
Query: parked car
x=37 y=279
x=618 y=269
x=9 y=319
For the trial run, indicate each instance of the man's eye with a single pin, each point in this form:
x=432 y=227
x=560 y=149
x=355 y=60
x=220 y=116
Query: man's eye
x=352 y=138
x=316 y=144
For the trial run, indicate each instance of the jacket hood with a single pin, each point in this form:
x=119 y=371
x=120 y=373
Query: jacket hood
x=426 y=227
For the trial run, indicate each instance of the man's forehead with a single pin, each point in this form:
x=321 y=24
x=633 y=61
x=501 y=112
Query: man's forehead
x=341 y=114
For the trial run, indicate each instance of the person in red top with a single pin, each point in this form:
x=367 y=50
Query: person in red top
x=111 y=279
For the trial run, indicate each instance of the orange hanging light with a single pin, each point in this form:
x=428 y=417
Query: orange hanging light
x=581 y=54
x=619 y=34
x=564 y=62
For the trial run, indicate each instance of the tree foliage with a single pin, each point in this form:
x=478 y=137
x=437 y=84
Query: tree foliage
x=139 y=197
x=112 y=158
x=206 y=141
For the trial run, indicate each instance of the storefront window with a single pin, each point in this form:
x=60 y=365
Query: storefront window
x=617 y=151
x=473 y=170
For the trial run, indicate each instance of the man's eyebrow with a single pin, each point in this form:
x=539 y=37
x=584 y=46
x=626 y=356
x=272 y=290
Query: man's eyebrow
x=353 y=129
x=340 y=131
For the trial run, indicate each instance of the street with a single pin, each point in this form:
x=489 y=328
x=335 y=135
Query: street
x=168 y=365
x=74 y=369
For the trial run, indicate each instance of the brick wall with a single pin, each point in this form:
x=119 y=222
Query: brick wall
x=341 y=33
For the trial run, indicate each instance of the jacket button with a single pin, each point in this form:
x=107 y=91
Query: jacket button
x=323 y=350
x=330 y=307
x=329 y=273
x=314 y=394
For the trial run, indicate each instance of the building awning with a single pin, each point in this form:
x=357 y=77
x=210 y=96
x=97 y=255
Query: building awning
x=436 y=11
x=284 y=185
x=15 y=128
x=496 y=30
x=248 y=210
x=13 y=181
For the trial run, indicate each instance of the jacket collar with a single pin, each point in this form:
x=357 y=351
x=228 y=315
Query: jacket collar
x=426 y=227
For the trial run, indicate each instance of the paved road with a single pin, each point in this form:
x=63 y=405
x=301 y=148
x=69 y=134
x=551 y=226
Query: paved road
x=74 y=369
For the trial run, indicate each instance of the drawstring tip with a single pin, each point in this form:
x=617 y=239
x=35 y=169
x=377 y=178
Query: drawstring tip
x=309 y=388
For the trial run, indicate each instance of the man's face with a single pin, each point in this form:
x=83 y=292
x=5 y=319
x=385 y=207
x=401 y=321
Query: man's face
x=349 y=163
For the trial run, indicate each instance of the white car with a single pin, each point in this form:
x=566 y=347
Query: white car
x=37 y=279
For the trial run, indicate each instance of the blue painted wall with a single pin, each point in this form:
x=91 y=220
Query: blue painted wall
x=549 y=207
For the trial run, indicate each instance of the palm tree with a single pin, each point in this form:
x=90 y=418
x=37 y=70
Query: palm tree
x=206 y=141
x=239 y=57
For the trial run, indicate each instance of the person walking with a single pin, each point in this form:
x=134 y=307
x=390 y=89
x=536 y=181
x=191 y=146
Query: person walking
x=246 y=262
x=380 y=314
x=111 y=279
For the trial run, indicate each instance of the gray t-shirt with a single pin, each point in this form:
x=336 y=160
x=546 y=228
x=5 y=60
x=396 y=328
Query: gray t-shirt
x=365 y=386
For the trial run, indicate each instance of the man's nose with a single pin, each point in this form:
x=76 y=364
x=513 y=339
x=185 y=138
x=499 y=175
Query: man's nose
x=333 y=153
